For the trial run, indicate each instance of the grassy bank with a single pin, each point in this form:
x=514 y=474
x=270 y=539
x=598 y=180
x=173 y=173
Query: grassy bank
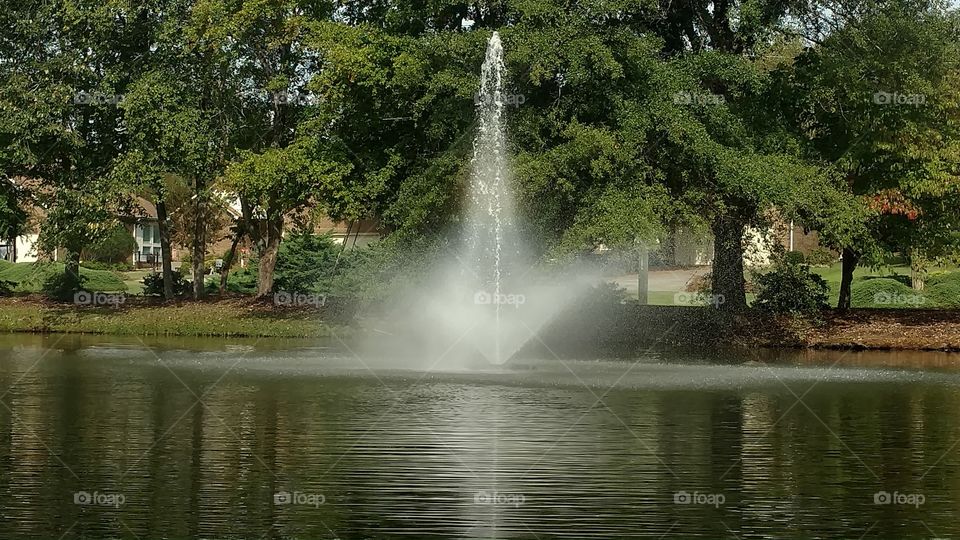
x=625 y=328
x=630 y=329
x=30 y=277
x=232 y=317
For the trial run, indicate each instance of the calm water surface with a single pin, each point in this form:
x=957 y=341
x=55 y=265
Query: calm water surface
x=122 y=438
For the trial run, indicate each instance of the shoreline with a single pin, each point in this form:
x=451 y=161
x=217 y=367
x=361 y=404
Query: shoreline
x=218 y=317
x=628 y=327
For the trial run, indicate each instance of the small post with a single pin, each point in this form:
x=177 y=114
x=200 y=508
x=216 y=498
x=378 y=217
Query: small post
x=643 y=272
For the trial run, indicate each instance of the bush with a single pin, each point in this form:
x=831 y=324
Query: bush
x=821 y=257
x=62 y=286
x=153 y=284
x=943 y=278
x=791 y=288
x=110 y=267
x=305 y=263
x=240 y=280
x=885 y=292
x=117 y=247
x=903 y=279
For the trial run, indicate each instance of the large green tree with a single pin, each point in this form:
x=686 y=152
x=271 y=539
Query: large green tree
x=281 y=169
x=879 y=101
x=63 y=69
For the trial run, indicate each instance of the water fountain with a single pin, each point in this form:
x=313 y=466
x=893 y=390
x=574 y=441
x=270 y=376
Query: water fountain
x=486 y=301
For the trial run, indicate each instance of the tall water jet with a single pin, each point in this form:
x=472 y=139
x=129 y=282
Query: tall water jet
x=489 y=243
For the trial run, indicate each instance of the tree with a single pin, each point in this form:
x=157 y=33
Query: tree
x=279 y=181
x=170 y=139
x=276 y=66
x=162 y=129
x=878 y=100
x=63 y=68
x=603 y=120
x=197 y=117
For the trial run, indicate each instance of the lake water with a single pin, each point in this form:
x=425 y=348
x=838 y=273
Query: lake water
x=123 y=438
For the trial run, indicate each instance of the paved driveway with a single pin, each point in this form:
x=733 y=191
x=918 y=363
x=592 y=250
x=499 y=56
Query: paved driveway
x=662 y=280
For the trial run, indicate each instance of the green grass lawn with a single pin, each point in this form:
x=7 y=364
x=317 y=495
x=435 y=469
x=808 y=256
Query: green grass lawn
x=832 y=276
x=30 y=277
x=216 y=318
x=943 y=287
x=134 y=280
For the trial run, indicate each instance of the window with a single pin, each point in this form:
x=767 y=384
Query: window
x=148 y=238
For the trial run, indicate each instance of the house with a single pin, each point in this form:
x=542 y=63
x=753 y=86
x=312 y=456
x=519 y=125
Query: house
x=145 y=229
x=143 y=226
x=351 y=234
x=684 y=247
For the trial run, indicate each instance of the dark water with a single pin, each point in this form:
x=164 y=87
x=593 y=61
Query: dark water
x=201 y=439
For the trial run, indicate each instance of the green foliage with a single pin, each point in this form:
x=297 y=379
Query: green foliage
x=305 y=263
x=945 y=294
x=821 y=257
x=878 y=101
x=944 y=278
x=13 y=218
x=153 y=284
x=116 y=247
x=240 y=281
x=62 y=286
x=791 y=288
x=636 y=117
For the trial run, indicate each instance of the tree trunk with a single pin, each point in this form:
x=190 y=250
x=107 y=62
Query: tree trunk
x=343 y=247
x=849 y=264
x=199 y=244
x=918 y=270
x=268 y=259
x=166 y=254
x=237 y=237
x=72 y=270
x=728 y=288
